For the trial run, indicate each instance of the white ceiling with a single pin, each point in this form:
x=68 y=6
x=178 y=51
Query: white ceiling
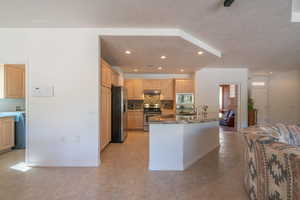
x=258 y=34
x=147 y=50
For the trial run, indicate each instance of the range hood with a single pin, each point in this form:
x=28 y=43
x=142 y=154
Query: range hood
x=152 y=92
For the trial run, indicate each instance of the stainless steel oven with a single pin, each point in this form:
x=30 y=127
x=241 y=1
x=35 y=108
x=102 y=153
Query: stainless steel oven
x=150 y=112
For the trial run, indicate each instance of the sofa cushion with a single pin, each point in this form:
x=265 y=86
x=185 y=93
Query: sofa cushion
x=284 y=133
x=294 y=131
x=266 y=129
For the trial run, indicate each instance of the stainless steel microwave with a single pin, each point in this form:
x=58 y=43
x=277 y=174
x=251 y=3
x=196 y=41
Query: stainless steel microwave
x=184 y=98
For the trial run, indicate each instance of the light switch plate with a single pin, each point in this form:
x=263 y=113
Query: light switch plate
x=42 y=91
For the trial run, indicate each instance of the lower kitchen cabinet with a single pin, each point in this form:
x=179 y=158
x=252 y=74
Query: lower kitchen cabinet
x=135 y=120
x=7 y=133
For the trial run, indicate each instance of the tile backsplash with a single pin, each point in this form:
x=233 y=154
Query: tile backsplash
x=135 y=104
x=167 y=104
x=7 y=105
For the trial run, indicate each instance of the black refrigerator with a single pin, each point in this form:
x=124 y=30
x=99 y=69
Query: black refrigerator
x=119 y=114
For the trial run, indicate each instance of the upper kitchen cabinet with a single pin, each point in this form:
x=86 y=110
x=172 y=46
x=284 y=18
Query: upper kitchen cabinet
x=106 y=76
x=184 y=86
x=115 y=78
x=12 y=81
x=152 y=84
x=135 y=89
x=167 y=89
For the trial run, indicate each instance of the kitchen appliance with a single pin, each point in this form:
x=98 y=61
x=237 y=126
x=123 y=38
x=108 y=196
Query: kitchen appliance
x=152 y=92
x=184 y=103
x=151 y=106
x=119 y=114
x=151 y=111
x=20 y=131
x=184 y=98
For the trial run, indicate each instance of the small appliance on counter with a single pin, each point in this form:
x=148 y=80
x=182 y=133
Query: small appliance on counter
x=119 y=114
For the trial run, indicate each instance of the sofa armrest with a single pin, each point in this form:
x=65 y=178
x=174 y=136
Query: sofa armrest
x=281 y=165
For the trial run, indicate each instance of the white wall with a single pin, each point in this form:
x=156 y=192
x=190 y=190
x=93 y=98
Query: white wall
x=8 y=105
x=283 y=96
x=63 y=130
x=207 y=83
x=284 y=99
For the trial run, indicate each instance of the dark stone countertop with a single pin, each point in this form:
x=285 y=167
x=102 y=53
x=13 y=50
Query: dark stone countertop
x=181 y=119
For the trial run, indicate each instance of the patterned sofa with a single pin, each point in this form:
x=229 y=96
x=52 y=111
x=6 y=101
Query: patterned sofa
x=272 y=162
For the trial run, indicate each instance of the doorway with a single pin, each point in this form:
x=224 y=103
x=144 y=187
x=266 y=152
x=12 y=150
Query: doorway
x=12 y=112
x=228 y=106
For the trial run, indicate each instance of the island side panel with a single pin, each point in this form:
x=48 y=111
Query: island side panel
x=198 y=140
x=166 y=147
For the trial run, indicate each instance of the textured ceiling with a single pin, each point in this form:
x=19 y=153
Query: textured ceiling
x=146 y=52
x=255 y=33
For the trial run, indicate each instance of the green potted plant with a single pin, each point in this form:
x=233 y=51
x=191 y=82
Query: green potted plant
x=251 y=113
x=250 y=104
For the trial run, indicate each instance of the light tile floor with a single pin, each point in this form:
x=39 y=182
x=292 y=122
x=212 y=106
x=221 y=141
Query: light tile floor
x=124 y=175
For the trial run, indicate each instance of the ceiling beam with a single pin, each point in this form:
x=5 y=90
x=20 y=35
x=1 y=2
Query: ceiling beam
x=295 y=17
x=295 y=11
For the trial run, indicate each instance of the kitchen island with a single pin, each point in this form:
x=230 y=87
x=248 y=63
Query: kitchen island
x=176 y=142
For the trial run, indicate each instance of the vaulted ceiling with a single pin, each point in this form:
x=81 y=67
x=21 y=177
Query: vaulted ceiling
x=257 y=34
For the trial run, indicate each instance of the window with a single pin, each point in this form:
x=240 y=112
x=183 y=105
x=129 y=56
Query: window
x=258 y=83
x=232 y=91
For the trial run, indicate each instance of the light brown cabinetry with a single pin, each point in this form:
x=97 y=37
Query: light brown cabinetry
x=168 y=112
x=135 y=120
x=167 y=89
x=135 y=88
x=184 y=86
x=105 y=74
x=7 y=133
x=152 y=84
x=12 y=81
x=115 y=78
x=105 y=116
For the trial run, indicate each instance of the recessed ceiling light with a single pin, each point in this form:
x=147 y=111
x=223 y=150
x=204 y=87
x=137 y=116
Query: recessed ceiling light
x=163 y=57
x=271 y=72
x=135 y=70
x=182 y=70
x=200 y=52
x=128 y=52
x=159 y=68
